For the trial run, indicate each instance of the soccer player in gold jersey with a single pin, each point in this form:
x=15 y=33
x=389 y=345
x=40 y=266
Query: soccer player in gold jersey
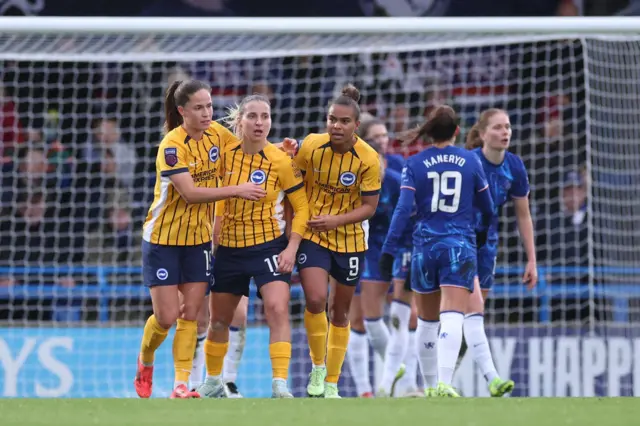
x=342 y=179
x=177 y=232
x=253 y=243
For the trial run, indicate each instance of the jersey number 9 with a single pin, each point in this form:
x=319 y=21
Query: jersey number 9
x=442 y=187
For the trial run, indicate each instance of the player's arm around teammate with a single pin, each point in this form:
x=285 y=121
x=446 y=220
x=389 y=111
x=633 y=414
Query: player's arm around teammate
x=342 y=179
x=253 y=244
x=176 y=244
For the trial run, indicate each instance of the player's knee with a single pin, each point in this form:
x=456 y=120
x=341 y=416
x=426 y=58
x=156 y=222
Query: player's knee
x=339 y=316
x=189 y=312
x=316 y=302
x=166 y=317
x=218 y=324
x=277 y=311
x=203 y=323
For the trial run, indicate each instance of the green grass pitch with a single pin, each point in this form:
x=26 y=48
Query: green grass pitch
x=312 y=412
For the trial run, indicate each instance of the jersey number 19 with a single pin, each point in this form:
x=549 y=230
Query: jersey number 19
x=442 y=187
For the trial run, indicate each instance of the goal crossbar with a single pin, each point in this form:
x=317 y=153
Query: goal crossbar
x=183 y=26
x=98 y=39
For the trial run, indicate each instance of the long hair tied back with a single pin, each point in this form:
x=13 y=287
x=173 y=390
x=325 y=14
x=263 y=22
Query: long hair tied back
x=178 y=94
x=473 y=137
x=440 y=126
x=349 y=96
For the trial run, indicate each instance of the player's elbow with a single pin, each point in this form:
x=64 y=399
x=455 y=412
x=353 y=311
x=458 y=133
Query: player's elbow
x=192 y=196
x=188 y=197
x=298 y=228
x=301 y=214
x=369 y=211
x=300 y=206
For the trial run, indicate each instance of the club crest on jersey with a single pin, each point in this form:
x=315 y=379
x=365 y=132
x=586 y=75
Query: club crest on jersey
x=347 y=178
x=171 y=156
x=258 y=177
x=214 y=154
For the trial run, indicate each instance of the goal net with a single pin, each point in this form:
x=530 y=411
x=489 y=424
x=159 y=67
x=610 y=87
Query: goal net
x=81 y=114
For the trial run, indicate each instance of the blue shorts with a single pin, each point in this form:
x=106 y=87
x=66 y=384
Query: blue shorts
x=173 y=265
x=346 y=268
x=371 y=270
x=401 y=265
x=236 y=266
x=434 y=266
x=487 y=256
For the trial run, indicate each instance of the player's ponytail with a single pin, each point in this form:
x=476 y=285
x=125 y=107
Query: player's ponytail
x=473 y=138
x=178 y=94
x=232 y=119
x=172 y=117
x=349 y=96
x=441 y=126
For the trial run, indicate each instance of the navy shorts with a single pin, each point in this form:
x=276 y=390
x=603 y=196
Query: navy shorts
x=346 y=268
x=487 y=256
x=436 y=265
x=235 y=267
x=173 y=265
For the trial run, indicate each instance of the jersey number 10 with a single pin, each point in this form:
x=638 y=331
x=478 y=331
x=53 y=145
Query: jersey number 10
x=442 y=187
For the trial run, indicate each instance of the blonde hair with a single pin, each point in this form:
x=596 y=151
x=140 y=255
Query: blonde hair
x=473 y=137
x=234 y=113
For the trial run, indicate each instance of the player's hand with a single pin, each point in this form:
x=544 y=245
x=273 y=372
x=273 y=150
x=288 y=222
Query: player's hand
x=323 y=223
x=530 y=277
x=286 y=261
x=385 y=264
x=290 y=146
x=250 y=191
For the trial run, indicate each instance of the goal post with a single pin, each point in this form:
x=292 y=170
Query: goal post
x=81 y=116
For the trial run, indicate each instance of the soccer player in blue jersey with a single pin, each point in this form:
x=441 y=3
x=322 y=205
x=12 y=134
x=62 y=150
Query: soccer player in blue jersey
x=400 y=356
x=507 y=177
x=445 y=183
x=371 y=293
